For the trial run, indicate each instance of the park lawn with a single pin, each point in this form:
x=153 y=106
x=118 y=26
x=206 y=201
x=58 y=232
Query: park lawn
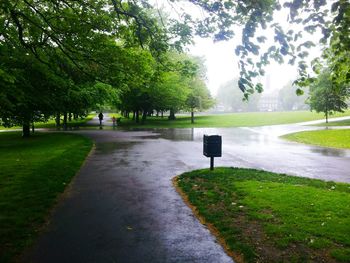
x=246 y=119
x=336 y=123
x=266 y=217
x=51 y=123
x=73 y=123
x=33 y=172
x=326 y=138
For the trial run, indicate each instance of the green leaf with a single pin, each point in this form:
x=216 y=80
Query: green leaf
x=299 y=92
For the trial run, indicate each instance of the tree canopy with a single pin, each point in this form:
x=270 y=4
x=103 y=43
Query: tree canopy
x=60 y=57
x=327 y=97
x=64 y=56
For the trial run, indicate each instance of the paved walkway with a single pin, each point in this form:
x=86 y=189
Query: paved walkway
x=122 y=207
x=105 y=122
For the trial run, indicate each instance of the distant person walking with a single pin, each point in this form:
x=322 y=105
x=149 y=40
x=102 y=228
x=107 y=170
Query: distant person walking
x=100 y=117
x=114 y=121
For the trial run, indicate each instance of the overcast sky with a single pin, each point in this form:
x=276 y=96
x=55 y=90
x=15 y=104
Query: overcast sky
x=221 y=63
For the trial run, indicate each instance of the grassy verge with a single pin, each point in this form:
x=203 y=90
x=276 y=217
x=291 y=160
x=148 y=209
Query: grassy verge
x=51 y=123
x=327 y=138
x=230 y=120
x=73 y=123
x=336 y=123
x=33 y=172
x=267 y=217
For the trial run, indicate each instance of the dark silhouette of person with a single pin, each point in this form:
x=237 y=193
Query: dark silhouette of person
x=100 y=117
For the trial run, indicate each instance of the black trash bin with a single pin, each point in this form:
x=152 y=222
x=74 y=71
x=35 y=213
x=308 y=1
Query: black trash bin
x=212 y=145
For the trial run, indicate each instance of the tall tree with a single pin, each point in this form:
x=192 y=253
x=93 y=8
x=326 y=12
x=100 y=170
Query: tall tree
x=199 y=98
x=326 y=97
x=64 y=47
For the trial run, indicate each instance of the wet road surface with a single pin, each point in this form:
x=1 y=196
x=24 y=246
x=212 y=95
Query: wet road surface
x=122 y=206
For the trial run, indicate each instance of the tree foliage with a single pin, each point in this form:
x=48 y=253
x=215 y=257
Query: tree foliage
x=60 y=57
x=167 y=87
x=66 y=56
x=259 y=27
x=326 y=97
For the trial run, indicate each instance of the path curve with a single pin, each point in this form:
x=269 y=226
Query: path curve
x=122 y=206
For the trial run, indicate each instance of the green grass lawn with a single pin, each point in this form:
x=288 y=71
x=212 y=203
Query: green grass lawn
x=51 y=123
x=267 y=217
x=245 y=119
x=327 y=138
x=33 y=172
x=73 y=123
x=336 y=123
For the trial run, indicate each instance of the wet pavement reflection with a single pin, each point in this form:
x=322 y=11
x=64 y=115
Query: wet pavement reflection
x=253 y=147
x=262 y=148
x=122 y=207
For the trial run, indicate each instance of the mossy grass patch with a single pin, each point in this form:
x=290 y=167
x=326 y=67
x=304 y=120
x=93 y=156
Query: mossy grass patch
x=326 y=138
x=268 y=217
x=242 y=119
x=34 y=171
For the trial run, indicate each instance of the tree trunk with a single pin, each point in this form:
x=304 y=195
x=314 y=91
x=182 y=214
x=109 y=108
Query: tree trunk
x=58 y=120
x=33 y=127
x=70 y=117
x=192 y=116
x=65 y=121
x=172 y=115
x=133 y=115
x=327 y=109
x=162 y=114
x=26 y=129
x=137 y=117
x=157 y=114
x=144 y=116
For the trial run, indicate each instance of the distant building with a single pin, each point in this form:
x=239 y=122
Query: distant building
x=268 y=102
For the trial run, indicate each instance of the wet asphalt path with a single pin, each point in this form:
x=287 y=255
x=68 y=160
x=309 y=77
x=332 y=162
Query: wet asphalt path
x=122 y=206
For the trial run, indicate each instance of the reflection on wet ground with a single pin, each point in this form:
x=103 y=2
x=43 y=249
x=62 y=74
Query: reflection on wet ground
x=329 y=151
x=262 y=148
x=259 y=137
x=254 y=147
x=110 y=147
x=123 y=207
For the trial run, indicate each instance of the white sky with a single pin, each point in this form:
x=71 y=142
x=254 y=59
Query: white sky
x=221 y=61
